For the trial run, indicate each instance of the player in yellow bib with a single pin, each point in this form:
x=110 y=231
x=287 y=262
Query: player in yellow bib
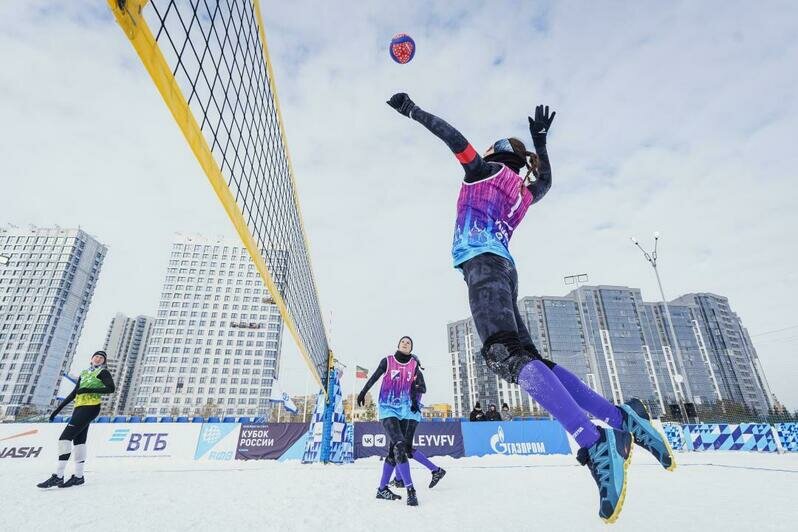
x=94 y=381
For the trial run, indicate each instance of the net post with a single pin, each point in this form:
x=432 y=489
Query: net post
x=331 y=380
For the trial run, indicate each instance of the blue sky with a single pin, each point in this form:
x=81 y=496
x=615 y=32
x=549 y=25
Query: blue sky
x=676 y=117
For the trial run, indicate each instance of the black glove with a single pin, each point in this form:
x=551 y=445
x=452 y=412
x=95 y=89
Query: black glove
x=402 y=103
x=361 y=399
x=414 y=406
x=540 y=125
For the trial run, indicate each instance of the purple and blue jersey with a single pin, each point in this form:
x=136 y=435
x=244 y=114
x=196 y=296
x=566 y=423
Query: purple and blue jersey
x=395 y=397
x=493 y=198
x=488 y=211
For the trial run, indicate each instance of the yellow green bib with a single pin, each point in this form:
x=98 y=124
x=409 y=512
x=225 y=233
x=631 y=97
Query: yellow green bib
x=88 y=379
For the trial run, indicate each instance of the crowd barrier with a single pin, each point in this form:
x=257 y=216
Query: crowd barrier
x=201 y=443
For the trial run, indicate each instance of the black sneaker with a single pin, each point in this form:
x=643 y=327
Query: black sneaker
x=51 y=482
x=386 y=494
x=437 y=475
x=397 y=483
x=411 y=496
x=73 y=481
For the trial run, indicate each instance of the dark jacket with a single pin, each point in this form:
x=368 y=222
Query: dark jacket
x=493 y=415
x=477 y=415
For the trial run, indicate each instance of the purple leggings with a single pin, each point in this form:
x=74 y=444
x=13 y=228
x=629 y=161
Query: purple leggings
x=568 y=399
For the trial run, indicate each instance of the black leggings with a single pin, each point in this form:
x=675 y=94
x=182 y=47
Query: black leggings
x=493 y=296
x=78 y=427
x=400 y=435
x=408 y=429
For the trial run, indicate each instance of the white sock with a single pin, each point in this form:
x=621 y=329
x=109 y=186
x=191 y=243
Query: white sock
x=64 y=450
x=80 y=459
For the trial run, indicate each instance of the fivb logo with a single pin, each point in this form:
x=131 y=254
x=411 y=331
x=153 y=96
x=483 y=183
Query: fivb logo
x=210 y=436
x=140 y=441
x=500 y=446
x=373 y=440
x=20 y=452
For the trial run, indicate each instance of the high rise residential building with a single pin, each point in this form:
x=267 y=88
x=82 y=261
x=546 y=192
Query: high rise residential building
x=125 y=344
x=738 y=369
x=622 y=348
x=215 y=345
x=47 y=280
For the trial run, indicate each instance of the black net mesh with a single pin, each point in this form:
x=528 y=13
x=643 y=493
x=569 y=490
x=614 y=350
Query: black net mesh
x=217 y=58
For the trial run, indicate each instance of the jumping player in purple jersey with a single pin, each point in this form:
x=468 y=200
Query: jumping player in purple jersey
x=493 y=201
x=398 y=401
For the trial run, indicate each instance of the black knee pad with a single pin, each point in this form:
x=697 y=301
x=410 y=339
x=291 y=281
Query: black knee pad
x=505 y=356
x=400 y=451
x=390 y=458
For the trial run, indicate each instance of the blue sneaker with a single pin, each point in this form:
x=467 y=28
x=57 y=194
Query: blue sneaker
x=637 y=422
x=608 y=459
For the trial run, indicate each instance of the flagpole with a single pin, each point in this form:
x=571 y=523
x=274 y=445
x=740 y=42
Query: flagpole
x=354 y=380
x=305 y=412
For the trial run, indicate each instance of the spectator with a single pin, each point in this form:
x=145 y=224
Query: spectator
x=506 y=415
x=493 y=414
x=477 y=414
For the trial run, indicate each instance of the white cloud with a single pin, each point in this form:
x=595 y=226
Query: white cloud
x=678 y=118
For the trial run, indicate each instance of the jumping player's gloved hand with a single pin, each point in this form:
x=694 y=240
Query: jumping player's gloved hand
x=540 y=125
x=402 y=103
x=361 y=399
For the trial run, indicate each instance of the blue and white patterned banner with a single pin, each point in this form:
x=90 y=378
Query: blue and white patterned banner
x=788 y=436
x=722 y=437
x=675 y=434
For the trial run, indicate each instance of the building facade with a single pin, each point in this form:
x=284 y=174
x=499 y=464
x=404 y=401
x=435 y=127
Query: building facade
x=737 y=367
x=125 y=343
x=215 y=346
x=622 y=347
x=47 y=280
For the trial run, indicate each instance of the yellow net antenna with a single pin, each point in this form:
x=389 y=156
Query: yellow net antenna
x=211 y=65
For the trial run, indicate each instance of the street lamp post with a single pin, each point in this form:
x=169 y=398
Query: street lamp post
x=578 y=280
x=682 y=384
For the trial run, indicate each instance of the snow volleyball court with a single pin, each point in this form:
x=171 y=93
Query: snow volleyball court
x=710 y=491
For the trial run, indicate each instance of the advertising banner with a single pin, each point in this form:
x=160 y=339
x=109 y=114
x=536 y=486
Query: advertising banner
x=143 y=440
x=217 y=442
x=723 y=437
x=515 y=438
x=28 y=442
x=267 y=442
x=433 y=438
x=788 y=436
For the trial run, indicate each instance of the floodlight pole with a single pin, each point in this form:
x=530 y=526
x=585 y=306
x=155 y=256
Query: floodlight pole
x=682 y=387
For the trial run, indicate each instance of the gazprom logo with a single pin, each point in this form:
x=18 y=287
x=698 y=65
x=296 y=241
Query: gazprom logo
x=119 y=435
x=500 y=446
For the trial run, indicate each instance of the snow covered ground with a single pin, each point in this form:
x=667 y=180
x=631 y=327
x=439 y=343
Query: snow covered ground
x=722 y=491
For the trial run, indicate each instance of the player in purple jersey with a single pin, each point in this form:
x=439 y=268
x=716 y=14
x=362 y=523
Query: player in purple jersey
x=409 y=426
x=493 y=201
x=398 y=401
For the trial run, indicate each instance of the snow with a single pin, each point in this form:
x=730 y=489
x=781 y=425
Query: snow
x=724 y=491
